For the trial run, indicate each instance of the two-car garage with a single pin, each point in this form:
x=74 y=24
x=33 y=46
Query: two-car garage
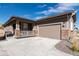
x=50 y=31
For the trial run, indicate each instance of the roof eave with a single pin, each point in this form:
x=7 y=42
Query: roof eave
x=17 y=18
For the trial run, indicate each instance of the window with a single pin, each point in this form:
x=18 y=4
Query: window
x=25 y=26
x=30 y=27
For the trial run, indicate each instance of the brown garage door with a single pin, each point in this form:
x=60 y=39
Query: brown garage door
x=50 y=31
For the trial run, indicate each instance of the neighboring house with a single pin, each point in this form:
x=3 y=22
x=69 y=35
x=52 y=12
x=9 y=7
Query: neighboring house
x=2 y=33
x=56 y=27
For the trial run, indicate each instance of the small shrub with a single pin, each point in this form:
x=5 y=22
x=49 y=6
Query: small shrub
x=74 y=46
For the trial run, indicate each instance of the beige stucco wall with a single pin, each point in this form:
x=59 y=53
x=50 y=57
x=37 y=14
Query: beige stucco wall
x=68 y=28
x=36 y=30
x=69 y=24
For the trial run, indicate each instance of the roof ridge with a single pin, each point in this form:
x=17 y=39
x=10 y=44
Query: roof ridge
x=55 y=15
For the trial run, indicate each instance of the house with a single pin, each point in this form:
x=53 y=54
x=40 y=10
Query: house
x=2 y=33
x=57 y=27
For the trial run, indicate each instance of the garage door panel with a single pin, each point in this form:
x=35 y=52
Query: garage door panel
x=51 y=31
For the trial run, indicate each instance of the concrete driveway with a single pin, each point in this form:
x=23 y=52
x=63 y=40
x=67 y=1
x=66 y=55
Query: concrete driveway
x=33 y=46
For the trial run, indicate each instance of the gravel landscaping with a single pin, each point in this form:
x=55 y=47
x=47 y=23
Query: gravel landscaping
x=33 y=46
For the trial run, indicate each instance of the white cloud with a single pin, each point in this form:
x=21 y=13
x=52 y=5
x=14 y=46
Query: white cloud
x=25 y=16
x=45 y=12
x=48 y=11
x=59 y=8
x=69 y=4
x=39 y=17
x=41 y=6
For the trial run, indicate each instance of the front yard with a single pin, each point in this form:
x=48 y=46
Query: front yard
x=33 y=46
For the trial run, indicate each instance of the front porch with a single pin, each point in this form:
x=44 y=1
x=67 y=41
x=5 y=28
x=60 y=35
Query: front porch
x=24 y=29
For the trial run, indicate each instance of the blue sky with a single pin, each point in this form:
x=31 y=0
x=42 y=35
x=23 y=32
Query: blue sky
x=35 y=11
